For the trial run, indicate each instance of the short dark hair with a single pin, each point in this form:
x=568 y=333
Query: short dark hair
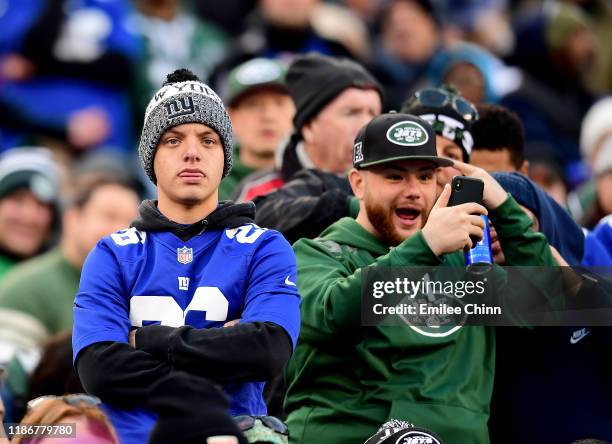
x=87 y=186
x=429 y=7
x=499 y=128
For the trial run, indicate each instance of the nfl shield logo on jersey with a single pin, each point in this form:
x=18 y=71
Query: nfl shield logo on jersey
x=184 y=255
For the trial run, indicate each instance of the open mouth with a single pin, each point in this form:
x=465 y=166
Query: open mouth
x=407 y=214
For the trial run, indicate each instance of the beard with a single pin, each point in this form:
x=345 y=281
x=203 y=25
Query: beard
x=381 y=219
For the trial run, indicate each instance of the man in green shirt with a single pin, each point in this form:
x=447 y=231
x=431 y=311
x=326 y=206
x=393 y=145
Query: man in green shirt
x=262 y=112
x=29 y=193
x=345 y=380
x=36 y=297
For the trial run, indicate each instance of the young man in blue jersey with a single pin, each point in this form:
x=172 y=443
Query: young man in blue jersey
x=153 y=298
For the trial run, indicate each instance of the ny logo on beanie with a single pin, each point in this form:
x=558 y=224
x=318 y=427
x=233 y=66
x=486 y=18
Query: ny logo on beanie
x=180 y=107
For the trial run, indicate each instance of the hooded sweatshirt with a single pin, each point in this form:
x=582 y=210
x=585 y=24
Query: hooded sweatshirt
x=561 y=231
x=344 y=380
x=541 y=396
x=193 y=279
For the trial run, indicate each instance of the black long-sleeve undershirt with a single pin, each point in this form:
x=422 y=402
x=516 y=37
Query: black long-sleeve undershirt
x=121 y=375
x=253 y=351
x=118 y=374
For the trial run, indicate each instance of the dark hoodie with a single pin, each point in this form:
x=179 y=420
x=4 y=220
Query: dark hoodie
x=250 y=351
x=226 y=215
x=560 y=229
x=551 y=383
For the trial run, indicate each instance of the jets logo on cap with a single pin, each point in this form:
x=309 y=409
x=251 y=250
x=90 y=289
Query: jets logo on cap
x=407 y=133
x=258 y=71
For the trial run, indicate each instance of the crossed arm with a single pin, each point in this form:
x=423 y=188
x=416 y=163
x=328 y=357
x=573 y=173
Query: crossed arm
x=255 y=349
x=122 y=375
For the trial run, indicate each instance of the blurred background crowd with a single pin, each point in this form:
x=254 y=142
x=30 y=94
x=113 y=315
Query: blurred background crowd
x=76 y=75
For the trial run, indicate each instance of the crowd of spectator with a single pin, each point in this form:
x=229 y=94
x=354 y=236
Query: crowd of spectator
x=516 y=93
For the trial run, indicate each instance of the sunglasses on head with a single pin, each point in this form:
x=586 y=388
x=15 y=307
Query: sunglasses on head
x=72 y=400
x=437 y=98
x=247 y=422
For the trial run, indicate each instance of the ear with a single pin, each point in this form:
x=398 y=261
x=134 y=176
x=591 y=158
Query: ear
x=524 y=169
x=307 y=133
x=70 y=218
x=357 y=180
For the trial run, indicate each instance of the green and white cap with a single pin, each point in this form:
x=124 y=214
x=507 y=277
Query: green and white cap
x=396 y=136
x=31 y=168
x=255 y=75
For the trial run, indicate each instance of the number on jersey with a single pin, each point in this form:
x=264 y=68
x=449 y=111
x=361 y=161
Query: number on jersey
x=166 y=310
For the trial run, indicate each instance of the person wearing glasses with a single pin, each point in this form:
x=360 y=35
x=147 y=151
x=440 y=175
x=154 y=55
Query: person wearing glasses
x=451 y=117
x=74 y=418
x=194 y=285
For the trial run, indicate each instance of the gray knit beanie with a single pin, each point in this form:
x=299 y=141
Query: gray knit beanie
x=183 y=99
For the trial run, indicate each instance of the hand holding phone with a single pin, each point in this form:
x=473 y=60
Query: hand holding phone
x=478 y=257
x=450 y=228
x=493 y=194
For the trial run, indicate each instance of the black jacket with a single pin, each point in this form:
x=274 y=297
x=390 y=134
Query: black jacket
x=122 y=375
x=306 y=205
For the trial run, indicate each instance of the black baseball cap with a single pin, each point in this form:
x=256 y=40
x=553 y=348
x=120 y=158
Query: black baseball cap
x=396 y=136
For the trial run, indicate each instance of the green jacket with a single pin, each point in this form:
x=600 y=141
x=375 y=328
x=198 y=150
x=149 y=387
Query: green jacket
x=345 y=380
x=5 y=265
x=36 y=298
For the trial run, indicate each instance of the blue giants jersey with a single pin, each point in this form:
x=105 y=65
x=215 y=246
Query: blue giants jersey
x=134 y=278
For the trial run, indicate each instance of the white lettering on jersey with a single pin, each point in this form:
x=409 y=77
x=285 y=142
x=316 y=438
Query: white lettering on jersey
x=210 y=300
x=129 y=236
x=183 y=283
x=244 y=235
x=166 y=310
x=163 y=309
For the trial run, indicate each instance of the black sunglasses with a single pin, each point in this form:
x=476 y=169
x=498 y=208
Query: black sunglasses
x=437 y=98
x=247 y=422
x=72 y=400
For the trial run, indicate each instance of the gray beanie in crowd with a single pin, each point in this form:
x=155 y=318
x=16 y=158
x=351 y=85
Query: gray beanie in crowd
x=183 y=99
